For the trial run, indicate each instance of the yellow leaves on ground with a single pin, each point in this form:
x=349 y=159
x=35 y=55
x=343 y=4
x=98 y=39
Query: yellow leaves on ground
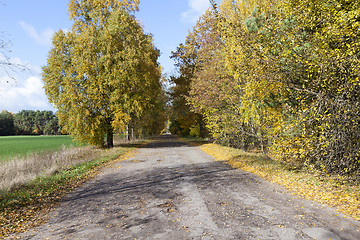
x=220 y=153
x=334 y=192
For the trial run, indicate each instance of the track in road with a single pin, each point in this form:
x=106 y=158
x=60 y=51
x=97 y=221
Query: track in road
x=170 y=190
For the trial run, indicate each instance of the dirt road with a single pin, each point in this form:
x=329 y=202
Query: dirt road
x=170 y=190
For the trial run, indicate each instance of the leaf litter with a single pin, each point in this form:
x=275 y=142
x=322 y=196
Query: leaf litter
x=334 y=191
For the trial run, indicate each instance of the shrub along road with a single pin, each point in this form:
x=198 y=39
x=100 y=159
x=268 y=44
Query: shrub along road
x=170 y=190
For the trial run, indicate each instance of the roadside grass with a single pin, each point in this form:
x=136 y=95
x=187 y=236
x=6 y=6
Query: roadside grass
x=20 y=170
x=23 y=206
x=19 y=146
x=334 y=191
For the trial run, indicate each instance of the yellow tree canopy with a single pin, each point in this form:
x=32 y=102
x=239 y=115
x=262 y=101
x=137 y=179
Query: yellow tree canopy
x=102 y=72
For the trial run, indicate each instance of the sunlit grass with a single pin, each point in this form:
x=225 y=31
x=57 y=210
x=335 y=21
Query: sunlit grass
x=19 y=146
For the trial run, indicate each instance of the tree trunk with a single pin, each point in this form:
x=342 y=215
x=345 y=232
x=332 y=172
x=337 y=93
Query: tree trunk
x=127 y=133
x=110 y=137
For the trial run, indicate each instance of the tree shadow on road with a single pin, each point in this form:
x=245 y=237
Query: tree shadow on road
x=159 y=182
x=161 y=185
x=162 y=141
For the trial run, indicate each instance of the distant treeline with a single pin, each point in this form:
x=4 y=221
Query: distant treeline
x=28 y=122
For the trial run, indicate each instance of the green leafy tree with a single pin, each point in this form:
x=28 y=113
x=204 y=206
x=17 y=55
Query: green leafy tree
x=52 y=127
x=34 y=122
x=24 y=122
x=6 y=123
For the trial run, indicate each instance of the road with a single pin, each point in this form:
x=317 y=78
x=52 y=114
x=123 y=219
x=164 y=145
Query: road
x=171 y=190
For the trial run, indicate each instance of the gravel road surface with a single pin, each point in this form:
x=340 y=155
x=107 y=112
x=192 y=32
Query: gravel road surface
x=171 y=190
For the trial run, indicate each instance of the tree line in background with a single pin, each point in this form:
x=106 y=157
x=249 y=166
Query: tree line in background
x=103 y=75
x=28 y=122
x=282 y=76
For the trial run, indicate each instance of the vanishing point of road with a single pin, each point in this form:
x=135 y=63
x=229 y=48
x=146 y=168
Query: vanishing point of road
x=171 y=190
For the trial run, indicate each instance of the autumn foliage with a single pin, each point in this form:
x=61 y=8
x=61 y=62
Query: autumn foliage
x=103 y=75
x=282 y=76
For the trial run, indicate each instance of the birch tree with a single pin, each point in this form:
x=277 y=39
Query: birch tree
x=100 y=74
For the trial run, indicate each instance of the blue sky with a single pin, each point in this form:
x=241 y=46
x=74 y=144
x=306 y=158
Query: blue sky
x=29 y=26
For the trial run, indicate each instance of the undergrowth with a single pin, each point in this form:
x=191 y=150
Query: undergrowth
x=334 y=191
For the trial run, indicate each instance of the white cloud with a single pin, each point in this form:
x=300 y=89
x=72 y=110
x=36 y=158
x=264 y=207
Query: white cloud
x=22 y=90
x=16 y=69
x=27 y=95
x=197 y=8
x=9 y=68
x=43 y=38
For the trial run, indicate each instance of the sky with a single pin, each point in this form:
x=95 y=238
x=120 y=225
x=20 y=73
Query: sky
x=29 y=26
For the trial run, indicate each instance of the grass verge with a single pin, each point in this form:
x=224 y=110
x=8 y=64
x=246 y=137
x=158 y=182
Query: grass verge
x=333 y=191
x=24 y=206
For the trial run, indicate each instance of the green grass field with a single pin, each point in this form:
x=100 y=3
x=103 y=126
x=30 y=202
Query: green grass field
x=23 y=145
